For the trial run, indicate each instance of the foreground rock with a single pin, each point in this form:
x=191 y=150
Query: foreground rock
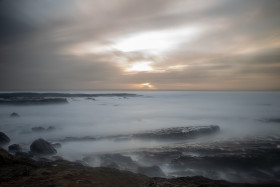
x=4 y=139
x=116 y=161
x=152 y=171
x=42 y=147
x=253 y=160
x=15 y=148
x=21 y=154
x=26 y=172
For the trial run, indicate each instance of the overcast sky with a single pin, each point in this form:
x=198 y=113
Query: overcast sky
x=140 y=44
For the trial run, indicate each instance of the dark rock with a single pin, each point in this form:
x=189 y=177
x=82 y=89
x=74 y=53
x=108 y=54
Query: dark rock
x=21 y=154
x=5 y=158
x=70 y=139
x=27 y=172
x=59 y=95
x=38 y=129
x=42 y=129
x=178 y=132
x=43 y=159
x=250 y=160
x=272 y=120
x=82 y=162
x=151 y=171
x=89 y=98
x=32 y=101
x=56 y=145
x=15 y=148
x=58 y=158
x=110 y=165
x=118 y=161
x=4 y=139
x=50 y=128
x=42 y=147
x=14 y=115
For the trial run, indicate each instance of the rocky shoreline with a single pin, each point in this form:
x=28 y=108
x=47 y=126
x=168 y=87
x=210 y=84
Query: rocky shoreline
x=32 y=98
x=41 y=166
x=26 y=172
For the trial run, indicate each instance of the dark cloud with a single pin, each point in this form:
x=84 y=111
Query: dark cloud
x=12 y=27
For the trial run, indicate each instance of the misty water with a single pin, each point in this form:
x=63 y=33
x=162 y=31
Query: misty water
x=240 y=116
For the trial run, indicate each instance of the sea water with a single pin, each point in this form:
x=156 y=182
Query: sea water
x=238 y=114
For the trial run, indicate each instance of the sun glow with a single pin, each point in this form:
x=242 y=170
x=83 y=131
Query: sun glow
x=140 y=66
x=155 y=41
x=146 y=86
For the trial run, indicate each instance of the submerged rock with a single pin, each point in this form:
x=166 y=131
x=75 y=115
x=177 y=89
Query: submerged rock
x=178 y=132
x=38 y=129
x=31 y=101
x=59 y=95
x=50 y=128
x=4 y=139
x=272 y=120
x=42 y=147
x=14 y=115
x=15 y=148
x=90 y=98
x=56 y=145
x=42 y=129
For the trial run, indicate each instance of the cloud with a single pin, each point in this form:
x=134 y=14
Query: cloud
x=68 y=44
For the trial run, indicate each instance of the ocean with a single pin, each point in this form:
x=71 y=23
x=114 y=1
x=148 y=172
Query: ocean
x=85 y=126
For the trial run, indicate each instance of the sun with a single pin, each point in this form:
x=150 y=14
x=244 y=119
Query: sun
x=146 y=86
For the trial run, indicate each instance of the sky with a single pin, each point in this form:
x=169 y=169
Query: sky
x=139 y=45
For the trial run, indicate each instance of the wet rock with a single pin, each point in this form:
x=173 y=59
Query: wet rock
x=110 y=165
x=15 y=148
x=42 y=147
x=21 y=154
x=240 y=160
x=119 y=161
x=42 y=129
x=56 y=145
x=151 y=171
x=4 y=139
x=14 y=115
x=90 y=98
x=178 y=132
x=82 y=162
x=27 y=172
x=58 y=158
x=272 y=120
x=38 y=129
x=50 y=128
